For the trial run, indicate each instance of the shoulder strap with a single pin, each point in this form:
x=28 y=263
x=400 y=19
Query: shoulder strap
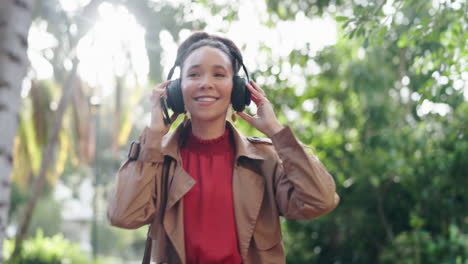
x=149 y=240
x=149 y=244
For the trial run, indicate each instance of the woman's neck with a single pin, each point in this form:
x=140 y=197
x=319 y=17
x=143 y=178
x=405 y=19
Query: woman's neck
x=208 y=129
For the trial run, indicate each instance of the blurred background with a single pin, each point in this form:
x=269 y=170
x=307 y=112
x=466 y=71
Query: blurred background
x=378 y=87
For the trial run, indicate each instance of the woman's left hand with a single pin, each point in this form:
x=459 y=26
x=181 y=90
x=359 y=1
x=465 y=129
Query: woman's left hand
x=265 y=120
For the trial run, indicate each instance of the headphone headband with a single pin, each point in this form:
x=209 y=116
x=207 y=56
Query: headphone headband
x=240 y=61
x=171 y=72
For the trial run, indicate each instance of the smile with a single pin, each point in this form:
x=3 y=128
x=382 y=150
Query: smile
x=206 y=99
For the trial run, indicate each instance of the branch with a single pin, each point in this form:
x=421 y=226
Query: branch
x=47 y=158
x=381 y=213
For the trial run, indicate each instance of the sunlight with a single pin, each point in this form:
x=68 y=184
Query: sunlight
x=428 y=107
x=73 y=5
x=115 y=46
x=250 y=33
x=39 y=52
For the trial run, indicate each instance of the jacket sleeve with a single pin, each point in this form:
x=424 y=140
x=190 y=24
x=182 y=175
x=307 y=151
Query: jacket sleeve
x=134 y=200
x=304 y=188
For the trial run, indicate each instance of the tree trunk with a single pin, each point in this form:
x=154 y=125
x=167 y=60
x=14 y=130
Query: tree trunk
x=117 y=118
x=15 y=20
x=47 y=158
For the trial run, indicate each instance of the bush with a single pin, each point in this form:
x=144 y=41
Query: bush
x=419 y=246
x=46 y=250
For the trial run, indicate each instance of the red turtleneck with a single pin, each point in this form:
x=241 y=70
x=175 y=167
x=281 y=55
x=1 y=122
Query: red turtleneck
x=209 y=221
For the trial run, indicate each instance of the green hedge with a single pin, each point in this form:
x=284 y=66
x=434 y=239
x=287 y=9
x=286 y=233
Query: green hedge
x=46 y=250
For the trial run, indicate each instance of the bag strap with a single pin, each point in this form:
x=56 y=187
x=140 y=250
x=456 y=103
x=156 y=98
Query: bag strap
x=149 y=244
x=149 y=240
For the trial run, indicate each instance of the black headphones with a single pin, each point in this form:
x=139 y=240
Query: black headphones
x=240 y=95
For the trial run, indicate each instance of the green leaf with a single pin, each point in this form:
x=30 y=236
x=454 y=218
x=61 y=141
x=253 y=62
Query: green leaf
x=365 y=43
x=341 y=18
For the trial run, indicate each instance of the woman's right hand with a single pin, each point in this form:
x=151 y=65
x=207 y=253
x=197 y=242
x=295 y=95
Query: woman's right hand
x=157 y=120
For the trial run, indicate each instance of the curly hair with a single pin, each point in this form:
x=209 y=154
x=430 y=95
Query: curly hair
x=201 y=39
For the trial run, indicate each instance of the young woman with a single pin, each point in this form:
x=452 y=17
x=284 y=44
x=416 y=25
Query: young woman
x=210 y=194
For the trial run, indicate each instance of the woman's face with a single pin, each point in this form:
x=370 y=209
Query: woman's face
x=207 y=84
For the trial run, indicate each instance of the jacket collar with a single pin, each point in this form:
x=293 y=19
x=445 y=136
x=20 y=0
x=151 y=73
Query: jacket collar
x=173 y=140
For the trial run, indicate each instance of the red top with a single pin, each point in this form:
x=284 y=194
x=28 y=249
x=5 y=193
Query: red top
x=209 y=221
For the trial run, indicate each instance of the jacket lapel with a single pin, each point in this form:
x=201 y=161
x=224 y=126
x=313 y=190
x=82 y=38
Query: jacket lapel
x=248 y=191
x=248 y=188
x=179 y=183
x=173 y=218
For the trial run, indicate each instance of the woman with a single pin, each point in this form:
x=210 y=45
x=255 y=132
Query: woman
x=210 y=194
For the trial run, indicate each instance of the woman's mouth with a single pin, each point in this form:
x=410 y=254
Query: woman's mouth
x=205 y=99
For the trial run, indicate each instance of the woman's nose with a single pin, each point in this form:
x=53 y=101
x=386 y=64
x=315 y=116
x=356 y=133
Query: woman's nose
x=206 y=82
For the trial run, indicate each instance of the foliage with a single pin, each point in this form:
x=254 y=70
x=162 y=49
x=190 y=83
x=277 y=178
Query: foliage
x=389 y=160
x=46 y=250
x=126 y=244
x=398 y=166
x=288 y=9
x=419 y=246
x=47 y=217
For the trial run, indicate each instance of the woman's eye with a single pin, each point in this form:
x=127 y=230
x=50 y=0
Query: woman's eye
x=192 y=74
x=219 y=75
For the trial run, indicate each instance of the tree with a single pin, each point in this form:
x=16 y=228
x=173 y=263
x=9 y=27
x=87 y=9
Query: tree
x=15 y=19
x=49 y=148
x=386 y=114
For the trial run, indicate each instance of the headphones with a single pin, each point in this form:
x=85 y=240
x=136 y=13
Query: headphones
x=240 y=95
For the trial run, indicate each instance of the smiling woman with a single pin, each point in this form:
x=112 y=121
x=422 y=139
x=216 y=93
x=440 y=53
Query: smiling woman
x=210 y=194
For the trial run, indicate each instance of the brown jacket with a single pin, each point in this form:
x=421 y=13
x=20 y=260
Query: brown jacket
x=270 y=179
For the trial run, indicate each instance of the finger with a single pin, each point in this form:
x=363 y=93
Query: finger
x=159 y=92
x=246 y=117
x=164 y=84
x=255 y=100
x=254 y=92
x=258 y=88
x=155 y=98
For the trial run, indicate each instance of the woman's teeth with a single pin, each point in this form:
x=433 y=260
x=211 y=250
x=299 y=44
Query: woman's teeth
x=205 y=99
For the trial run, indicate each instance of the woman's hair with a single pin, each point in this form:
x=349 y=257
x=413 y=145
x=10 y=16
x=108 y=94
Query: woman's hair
x=201 y=39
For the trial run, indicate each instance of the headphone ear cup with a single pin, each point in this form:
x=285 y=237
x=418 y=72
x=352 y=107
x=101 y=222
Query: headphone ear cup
x=175 y=101
x=240 y=96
